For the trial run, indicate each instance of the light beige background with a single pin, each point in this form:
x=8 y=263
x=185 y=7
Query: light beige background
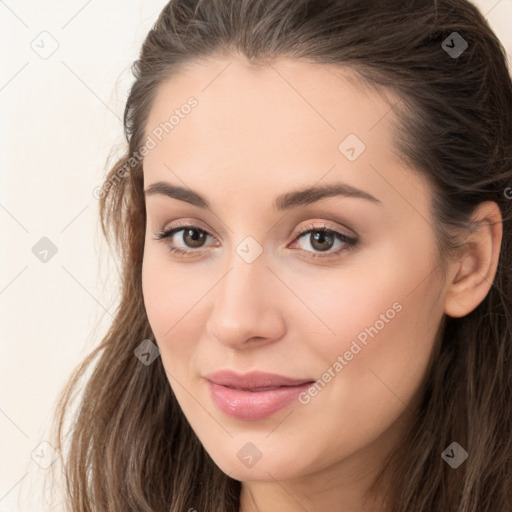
x=60 y=120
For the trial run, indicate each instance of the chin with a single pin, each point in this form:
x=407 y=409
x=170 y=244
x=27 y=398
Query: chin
x=266 y=469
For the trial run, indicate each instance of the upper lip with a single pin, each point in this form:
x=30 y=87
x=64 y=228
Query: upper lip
x=252 y=380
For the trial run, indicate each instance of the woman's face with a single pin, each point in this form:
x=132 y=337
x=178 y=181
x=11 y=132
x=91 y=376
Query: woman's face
x=253 y=294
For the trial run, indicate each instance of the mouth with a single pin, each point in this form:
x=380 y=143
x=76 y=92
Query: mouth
x=254 y=380
x=251 y=403
x=253 y=390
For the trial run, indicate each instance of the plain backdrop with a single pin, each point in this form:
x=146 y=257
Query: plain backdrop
x=64 y=78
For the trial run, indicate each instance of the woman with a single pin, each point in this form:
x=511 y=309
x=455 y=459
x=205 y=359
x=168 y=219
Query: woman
x=316 y=295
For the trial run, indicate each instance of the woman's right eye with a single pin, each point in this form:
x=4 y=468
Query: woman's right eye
x=193 y=236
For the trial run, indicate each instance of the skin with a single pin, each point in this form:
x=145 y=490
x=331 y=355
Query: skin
x=257 y=133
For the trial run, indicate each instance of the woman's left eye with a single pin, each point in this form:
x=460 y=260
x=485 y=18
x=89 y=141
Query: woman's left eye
x=321 y=238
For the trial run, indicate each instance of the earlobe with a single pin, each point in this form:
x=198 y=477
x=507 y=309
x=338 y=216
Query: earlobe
x=474 y=272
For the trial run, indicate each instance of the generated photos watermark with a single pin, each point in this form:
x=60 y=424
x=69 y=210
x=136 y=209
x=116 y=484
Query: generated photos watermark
x=152 y=140
x=357 y=345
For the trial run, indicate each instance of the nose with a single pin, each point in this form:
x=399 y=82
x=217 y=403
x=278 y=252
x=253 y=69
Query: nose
x=247 y=306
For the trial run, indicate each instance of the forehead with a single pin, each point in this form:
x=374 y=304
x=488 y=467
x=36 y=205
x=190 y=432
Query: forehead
x=233 y=94
x=277 y=126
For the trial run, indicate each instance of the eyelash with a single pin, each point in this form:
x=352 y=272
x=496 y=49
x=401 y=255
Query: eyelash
x=342 y=237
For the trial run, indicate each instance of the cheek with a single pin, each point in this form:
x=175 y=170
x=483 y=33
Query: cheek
x=384 y=325
x=378 y=301
x=159 y=301
x=174 y=298
x=170 y=290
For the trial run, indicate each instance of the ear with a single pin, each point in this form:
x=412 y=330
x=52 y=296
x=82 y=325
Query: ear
x=474 y=270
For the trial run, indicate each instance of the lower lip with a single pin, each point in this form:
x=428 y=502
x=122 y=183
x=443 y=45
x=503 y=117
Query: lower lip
x=254 y=405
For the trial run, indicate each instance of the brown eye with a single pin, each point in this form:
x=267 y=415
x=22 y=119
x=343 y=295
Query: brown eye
x=193 y=237
x=321 y=240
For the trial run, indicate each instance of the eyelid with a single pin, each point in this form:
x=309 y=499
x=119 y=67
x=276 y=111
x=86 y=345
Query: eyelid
x=189 y=222
x=323 y=226
x=340 y=234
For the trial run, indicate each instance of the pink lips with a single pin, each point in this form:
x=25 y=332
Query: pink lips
x=253 y=395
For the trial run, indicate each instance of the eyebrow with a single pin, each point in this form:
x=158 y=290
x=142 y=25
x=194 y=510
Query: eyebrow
x=283 y=202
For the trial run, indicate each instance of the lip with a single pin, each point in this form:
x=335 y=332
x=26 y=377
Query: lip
x=252 y=380
x=255 y=395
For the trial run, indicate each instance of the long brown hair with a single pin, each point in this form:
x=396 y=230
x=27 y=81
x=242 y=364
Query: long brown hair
x=130 y=448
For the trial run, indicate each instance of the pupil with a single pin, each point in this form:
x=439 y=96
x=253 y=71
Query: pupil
x=321 y=237
x=195 y=238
